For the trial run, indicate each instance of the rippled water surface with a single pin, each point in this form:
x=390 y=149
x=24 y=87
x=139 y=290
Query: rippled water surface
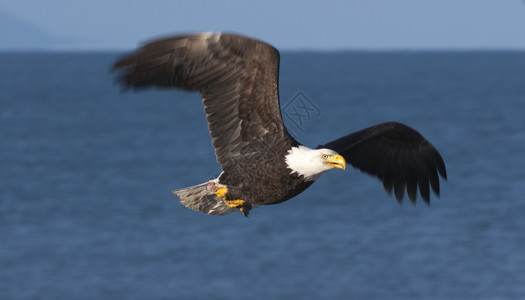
x=86 y=173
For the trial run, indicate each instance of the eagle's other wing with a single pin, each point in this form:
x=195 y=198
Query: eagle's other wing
x=397 y=154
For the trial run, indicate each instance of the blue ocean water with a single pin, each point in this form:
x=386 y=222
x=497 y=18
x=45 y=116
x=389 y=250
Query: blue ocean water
x=86 y=173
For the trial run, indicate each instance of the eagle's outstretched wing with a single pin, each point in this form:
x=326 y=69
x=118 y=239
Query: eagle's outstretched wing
x=237 y=77
x=397 y=154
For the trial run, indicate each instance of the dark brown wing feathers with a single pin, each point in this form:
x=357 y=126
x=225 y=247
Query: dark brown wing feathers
x=396 y=154
x=236 y=76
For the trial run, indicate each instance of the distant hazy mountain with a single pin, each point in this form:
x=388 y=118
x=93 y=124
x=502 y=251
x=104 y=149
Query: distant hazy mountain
x=17 y=34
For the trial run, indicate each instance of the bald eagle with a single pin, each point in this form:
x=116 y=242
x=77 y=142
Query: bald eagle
x=237 y=78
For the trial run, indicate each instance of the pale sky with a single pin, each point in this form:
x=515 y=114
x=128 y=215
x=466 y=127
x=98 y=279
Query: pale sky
x=323 y=25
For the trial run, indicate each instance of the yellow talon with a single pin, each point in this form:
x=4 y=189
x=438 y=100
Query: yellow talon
x=221 y=193
x=235 y=203
x=238 y=203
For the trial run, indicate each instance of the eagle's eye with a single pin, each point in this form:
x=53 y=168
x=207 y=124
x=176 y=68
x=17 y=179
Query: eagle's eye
x=325 y=156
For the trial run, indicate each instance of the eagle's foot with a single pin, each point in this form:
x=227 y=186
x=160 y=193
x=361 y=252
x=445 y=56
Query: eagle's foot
x=235 y=203
x=221 y=193
x=240 y=204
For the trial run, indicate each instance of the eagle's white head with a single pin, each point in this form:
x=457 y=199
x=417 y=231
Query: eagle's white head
x=311 y=163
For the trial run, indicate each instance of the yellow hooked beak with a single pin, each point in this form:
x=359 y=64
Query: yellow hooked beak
x=336 y=161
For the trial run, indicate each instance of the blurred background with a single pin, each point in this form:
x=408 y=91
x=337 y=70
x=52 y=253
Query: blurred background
x=357 y=24
x=86 y=170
